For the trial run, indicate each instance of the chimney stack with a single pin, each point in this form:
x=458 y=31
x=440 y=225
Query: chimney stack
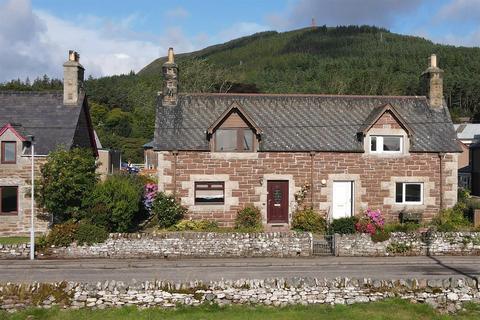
x=432 y=83
x=73 y=73
x=170 y=80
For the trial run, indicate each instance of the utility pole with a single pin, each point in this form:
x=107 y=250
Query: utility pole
x=32 y=197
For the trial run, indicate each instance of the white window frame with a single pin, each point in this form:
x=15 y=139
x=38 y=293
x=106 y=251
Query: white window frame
x=404 y=185
x=380 y=144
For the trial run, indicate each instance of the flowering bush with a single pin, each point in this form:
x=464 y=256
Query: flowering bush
x=168 y=210
x=371 y=222
x=149 y=195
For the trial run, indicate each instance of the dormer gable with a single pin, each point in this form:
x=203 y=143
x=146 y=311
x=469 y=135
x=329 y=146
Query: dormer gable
x=385 y=132
x=234 y=115
x=234 y=131
x=385 y=116
x=9 y=128
x=11 y=144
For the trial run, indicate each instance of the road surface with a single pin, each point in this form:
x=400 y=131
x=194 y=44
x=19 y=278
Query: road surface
x=232 y=269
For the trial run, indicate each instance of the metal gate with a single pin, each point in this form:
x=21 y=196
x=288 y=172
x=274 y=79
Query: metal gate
x=324 y=245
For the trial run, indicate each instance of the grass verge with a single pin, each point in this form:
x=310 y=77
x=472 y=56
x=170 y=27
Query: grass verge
x=390 y=309
x=14 y=240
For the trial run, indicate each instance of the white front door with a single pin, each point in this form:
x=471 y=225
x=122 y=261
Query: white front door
x=342 y=199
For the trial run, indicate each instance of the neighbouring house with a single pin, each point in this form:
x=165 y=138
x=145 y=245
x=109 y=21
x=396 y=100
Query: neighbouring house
x=109 y=160
x=339 y=154
x=149 y=156
x=469 y=135
x=54 y=120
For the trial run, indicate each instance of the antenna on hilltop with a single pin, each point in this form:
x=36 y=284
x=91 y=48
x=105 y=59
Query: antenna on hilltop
x=314 y=23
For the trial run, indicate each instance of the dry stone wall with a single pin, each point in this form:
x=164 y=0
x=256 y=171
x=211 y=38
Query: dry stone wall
x=410 y=244
x=447 y=294
x=193 y=244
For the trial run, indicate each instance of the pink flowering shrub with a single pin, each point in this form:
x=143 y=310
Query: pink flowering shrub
x=149 y=195
x=371 y=222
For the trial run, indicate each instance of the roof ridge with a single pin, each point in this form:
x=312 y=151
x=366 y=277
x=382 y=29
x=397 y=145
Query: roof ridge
x=298 y=95
x=31 y=92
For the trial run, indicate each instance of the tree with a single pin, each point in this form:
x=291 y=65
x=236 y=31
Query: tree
x=66 y=178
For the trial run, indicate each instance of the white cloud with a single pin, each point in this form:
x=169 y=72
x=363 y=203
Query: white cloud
x=241 y=29
x=343 y=12
x=177 y=13
x=460 y=10
x=35 y=42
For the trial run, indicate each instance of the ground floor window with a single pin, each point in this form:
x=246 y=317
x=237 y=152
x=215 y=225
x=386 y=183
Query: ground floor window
x=210 y=192
x=409 y=192
x=8 y=200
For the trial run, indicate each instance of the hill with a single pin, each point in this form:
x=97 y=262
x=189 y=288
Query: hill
x=341 y=60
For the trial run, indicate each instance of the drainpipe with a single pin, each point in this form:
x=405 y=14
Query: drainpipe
x=441 y=156
x=312 y=156
x=175 y=156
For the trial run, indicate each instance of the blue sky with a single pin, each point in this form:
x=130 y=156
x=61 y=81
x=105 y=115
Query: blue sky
x=118 y=36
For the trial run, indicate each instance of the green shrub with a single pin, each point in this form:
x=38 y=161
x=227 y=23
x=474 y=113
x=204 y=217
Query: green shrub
x=195 y=225
x=452 y=219
x=167 y=210
x=116 y=203
x=41 y=243
x=89 y=234
x=308 y=220
x=62 y=235
x=343 y=225
x=402 y=227
x=66 y=178
x=380 y=236
x=249 y=219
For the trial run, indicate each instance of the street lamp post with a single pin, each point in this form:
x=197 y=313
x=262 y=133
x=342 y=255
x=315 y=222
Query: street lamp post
x=32 y=197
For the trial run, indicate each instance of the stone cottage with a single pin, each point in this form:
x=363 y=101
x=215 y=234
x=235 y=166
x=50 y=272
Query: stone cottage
x=339 y=154
x=53 y=120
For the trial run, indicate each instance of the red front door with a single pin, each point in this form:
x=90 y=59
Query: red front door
x=277 y=202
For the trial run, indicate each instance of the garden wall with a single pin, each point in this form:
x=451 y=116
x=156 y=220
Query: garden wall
x=193 y=244
x=447 y=294
x=410 y=244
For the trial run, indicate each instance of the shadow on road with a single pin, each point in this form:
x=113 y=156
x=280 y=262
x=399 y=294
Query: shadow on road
x=458 y=271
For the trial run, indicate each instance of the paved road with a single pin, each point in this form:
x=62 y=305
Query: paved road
x=216 y=269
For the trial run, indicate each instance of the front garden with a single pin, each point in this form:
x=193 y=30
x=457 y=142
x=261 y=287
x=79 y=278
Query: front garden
x=86 y=210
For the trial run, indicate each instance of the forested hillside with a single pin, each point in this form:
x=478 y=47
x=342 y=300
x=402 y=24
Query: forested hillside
x=341 y=60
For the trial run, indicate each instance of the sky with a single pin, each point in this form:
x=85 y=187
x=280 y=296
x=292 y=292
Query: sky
x=117 y=36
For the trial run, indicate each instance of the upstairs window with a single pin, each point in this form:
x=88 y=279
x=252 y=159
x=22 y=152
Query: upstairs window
x=409 y=192
x=8 y=200
x=211 y=192
x=9 y=152
x=234 y=140
x=386 y=144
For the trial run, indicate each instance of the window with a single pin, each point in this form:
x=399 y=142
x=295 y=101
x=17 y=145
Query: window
x=234 y=140
x=386 y=144
x=409 y=193
x=209 y=192
x=8 y=200
x=9 y=152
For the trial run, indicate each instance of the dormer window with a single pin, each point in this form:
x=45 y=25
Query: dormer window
x=9 y=152
x=234 y=140
x=234 y=131
x=386 y=144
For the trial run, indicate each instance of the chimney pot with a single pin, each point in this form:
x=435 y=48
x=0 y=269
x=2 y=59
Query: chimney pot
x=433 y=61
x=170 y=56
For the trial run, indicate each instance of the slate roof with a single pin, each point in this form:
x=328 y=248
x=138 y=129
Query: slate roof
x=301 y=122
x=468 y=131
x=43 y=115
